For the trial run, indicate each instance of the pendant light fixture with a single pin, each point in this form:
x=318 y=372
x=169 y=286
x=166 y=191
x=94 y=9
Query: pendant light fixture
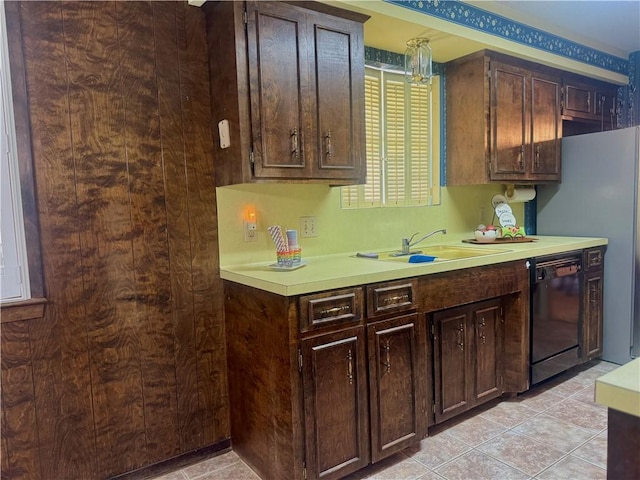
x=418 y=66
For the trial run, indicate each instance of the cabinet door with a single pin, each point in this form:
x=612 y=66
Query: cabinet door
x=592 y=316
x=487 y=356
x=578 y=100
x=546 y=129
x=335 y=403
x=337 y=91
x=278 y=83
x=453 y=386
x=509 y=123
x=397 y=376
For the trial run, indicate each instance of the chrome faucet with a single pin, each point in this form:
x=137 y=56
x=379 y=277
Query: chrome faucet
x=407 y=243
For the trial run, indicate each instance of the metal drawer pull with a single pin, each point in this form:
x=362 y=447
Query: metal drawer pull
x=350 y=367
x=332 y=312
x=396 y=299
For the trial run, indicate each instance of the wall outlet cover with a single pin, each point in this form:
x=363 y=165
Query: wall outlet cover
x=308 y=227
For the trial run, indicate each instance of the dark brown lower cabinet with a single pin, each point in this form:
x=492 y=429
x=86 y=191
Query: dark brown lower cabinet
x=397 y=384
x=323 y=384
x=592 y=316
x=592 y=303
x=335 y=403
x=468 y=352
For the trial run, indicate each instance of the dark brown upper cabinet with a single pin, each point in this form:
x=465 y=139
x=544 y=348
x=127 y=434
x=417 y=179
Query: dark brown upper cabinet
x=588 y=106
x=503 y=121
x=289 y=81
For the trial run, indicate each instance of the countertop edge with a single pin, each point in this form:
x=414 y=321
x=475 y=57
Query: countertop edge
x=343 y=270
x=620 y=389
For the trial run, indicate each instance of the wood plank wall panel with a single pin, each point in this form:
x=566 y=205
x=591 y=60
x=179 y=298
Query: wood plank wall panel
x=19 y=453
x=60 y=353
x=128 y=366
x=97 y=124
x=149 y=236
x=207 y=289
x=189 y=428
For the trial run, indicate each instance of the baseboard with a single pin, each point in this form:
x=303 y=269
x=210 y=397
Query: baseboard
x=177 y=462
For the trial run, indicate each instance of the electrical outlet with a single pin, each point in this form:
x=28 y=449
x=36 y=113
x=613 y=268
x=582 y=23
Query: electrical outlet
x=308 y=227
x=250 y=231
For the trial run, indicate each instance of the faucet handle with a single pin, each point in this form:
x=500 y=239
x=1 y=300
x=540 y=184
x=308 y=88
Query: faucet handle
x=410 y=238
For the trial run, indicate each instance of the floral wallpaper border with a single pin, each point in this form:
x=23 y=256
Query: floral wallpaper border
x=394 y=59
x=482 y=20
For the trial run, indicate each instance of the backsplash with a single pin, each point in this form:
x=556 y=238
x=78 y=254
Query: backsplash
x=341 y=230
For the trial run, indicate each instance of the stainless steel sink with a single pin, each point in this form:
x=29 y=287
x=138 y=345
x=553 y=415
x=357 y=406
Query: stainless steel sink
x=442 y=253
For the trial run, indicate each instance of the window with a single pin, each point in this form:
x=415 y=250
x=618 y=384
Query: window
x=14 y=282
x=399 y=147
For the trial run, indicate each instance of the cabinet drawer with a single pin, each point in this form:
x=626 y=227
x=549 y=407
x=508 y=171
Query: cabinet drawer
x=337 y=307
x=593 y=259
x=388 y=298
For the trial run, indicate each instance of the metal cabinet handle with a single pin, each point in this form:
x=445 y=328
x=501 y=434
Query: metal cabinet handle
x=521 y=157
x=327 y=140
x=387 y=350
x=332 y=312
x=350 y=367
x=294 y=143
x=537 y=155
x=593 y=294
x=481 y=334
x=461 y=336
x=396 y=299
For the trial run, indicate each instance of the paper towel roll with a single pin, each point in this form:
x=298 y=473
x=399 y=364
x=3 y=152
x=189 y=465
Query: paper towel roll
x=521 y=195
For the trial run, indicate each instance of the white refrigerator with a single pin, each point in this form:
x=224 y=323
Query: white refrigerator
x=598 y=197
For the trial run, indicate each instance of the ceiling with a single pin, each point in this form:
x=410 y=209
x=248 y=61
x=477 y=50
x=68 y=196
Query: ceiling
x=609 y=25
x=612 y=26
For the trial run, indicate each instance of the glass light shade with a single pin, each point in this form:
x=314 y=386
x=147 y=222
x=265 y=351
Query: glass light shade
x=418 y=65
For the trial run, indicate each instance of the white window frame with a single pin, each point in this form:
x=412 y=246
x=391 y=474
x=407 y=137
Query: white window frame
x=385 y=87
x=14 y=274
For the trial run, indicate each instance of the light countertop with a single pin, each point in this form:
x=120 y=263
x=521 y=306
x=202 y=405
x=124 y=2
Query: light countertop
x=345 y=270
x=620 y=389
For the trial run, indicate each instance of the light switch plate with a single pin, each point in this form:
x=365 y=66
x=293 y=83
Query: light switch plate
x=223 y=131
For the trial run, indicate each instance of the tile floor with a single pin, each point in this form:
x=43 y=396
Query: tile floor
x=554 y=431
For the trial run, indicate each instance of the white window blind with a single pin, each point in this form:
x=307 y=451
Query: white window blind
x=14 y=284
x=398 y=144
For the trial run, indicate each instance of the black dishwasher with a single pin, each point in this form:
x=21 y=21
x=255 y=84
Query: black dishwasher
x=556 y=314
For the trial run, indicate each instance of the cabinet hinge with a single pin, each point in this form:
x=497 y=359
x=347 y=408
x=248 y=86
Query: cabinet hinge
x=300 y=360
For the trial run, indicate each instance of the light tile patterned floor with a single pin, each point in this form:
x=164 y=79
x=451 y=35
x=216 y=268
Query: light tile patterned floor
x=554 y=431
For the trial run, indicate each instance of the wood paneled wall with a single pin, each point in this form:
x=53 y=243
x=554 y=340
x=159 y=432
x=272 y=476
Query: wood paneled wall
x=127 y=368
